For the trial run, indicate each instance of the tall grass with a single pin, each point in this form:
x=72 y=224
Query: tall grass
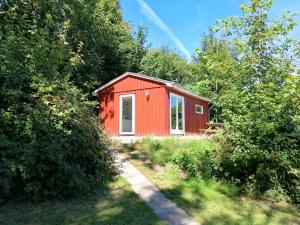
x=198 y=160
x=192 y=156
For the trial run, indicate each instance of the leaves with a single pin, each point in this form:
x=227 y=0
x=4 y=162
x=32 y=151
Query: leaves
x=165 y=64
x=51 y=146
x=249 y=73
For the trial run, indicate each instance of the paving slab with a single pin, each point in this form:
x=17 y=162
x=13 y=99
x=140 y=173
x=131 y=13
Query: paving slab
x=162 y=206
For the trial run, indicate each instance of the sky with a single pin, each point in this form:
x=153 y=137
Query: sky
x=180 y=24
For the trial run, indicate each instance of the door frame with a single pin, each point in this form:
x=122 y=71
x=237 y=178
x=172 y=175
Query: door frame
x=133 y=114
x=177 y=131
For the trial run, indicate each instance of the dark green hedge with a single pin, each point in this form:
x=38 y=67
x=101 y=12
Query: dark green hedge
x=45 y=156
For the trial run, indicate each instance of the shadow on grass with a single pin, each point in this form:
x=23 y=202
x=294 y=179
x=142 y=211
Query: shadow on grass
x=215 y=202
x=118 y=206
x=228 y=209
x=132 y=151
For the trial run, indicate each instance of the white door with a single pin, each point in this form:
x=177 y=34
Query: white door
x=127 y=114
x=176 y=114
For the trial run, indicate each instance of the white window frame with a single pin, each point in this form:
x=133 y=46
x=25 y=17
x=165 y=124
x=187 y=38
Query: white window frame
x=197 y=105
x=133 y=114
x=177 y=131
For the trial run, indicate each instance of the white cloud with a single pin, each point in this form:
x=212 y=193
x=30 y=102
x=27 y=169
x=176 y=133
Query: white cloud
x=153 y=17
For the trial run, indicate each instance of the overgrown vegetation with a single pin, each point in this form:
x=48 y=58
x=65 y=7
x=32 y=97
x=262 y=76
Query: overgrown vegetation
x=191 y=156
x=261 y=138
x=249 y=66
x=52 y=57
x=205 y=159
x=183 y=175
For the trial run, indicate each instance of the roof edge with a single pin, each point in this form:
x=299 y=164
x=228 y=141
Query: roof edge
x=169 y=84
x=189 y=93
x=110 y=83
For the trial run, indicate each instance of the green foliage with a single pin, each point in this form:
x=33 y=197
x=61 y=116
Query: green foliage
x=194 y=157
x=165 y=64
x=96 y=30
x=158 y=152
x=61 y=160
x=262 y=145
x=260 y=107
x=195 y=163
x=214 y=68
x=139 y=48
x=51 y=146
x=213 y=201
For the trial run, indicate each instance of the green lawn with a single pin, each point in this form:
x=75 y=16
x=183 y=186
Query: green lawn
x=118 y=206
x=210 y=202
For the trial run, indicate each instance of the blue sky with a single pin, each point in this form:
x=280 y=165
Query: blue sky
x=180 y=24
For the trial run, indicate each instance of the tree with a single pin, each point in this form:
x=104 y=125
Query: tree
x=139 y=48
x=106 y=48
x=165 y=64
x=261 y=106
x=213 y=70
x=51 y=146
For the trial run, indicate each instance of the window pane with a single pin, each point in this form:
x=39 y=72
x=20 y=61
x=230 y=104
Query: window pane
x=199 y=109
x=127 y=114
x=180 y=120
x=173 y=112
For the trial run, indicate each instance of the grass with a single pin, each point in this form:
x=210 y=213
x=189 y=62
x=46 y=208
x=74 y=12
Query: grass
x=117 y=206
x=161 y=152
x=207 y=200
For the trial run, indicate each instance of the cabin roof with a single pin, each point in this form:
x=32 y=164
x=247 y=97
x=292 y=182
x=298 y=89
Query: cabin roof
x=169 y=84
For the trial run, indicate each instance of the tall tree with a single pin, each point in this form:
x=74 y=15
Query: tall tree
x=261 y=123
x=104 y=41
x=139 y=48
x=51 y=146
x=166 y=64
x=213 y=70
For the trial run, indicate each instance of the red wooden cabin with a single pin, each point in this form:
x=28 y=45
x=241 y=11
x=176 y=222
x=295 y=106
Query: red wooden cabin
x=139 y=105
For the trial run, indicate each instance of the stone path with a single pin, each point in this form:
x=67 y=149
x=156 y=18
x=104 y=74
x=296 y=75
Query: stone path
x=161 y=205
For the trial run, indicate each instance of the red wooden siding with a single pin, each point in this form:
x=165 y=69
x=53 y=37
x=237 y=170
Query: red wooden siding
x=150 y=114
x=193 y=122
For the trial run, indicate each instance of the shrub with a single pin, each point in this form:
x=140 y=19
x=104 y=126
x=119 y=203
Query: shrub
x=261 y=143
x=53 y=151
x=195 y=160
x=50 y=146
x=195 y=157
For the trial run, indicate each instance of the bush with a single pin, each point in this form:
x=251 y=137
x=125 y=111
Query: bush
x=273 y=174
x=196 y=162
x=195 y=157
x=261 y=143
x=53 y=151
x=50 y=146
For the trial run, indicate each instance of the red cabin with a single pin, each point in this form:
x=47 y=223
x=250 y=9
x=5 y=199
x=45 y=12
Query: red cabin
x=139 y=105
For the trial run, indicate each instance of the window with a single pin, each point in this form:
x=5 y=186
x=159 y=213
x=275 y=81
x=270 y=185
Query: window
x=176 y=114
x=127 y=114
x=199 y=109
